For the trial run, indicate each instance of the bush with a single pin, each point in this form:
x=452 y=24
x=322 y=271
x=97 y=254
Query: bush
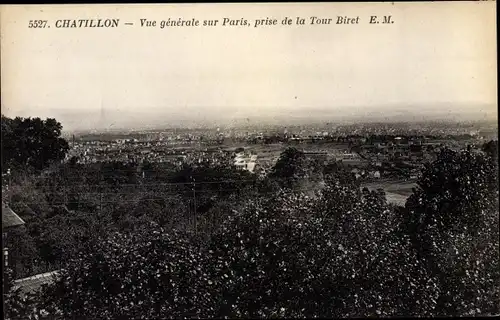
x=453 y=222
x=146 y=275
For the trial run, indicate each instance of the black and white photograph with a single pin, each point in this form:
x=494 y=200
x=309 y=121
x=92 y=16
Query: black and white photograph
x=238 y=160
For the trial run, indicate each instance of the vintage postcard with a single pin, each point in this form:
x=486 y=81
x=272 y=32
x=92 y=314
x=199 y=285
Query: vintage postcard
x=290 y=160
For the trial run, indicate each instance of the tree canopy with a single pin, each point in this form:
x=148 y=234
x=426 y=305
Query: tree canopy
x=263 y=247
x=452 y=219
x=31 y=142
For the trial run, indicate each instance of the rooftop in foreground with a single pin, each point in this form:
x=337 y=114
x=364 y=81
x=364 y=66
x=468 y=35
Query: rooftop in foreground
x=10 y=218
x=34 y=283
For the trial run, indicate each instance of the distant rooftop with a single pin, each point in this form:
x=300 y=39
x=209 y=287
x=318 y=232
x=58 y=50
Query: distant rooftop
x=10 y=218
x=395 y=198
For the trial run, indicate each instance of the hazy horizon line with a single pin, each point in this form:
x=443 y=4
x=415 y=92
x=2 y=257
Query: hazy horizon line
x=279 y=125
x=147 y=118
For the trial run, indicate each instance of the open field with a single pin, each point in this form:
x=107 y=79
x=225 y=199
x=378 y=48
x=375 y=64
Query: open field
x=397 y=191
x=401 y=187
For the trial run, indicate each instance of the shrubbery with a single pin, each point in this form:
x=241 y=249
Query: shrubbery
x=337 y=251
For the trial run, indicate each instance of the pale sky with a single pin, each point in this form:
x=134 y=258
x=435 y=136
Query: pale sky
x=435 y=59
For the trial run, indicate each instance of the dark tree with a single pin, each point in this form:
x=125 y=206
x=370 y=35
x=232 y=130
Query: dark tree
x=148 y=275
x=290 y=167
x=210 y=183
x=491 y=149
x=31 y=142
x=453 y=221
x=116 y=173
x=331 y=255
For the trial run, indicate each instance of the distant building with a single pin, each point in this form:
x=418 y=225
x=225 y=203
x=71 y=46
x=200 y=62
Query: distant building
x=245 y=163
x=345 y=156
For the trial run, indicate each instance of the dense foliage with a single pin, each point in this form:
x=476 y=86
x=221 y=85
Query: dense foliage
x=152 y=241
x=18 y=305
x=453 y=222
x=31 y=142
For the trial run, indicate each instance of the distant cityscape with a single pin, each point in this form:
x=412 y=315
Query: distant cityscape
x=374 y=152
x=269 y=168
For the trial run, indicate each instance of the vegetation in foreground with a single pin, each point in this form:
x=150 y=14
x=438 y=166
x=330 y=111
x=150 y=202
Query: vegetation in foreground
x=304 y=242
